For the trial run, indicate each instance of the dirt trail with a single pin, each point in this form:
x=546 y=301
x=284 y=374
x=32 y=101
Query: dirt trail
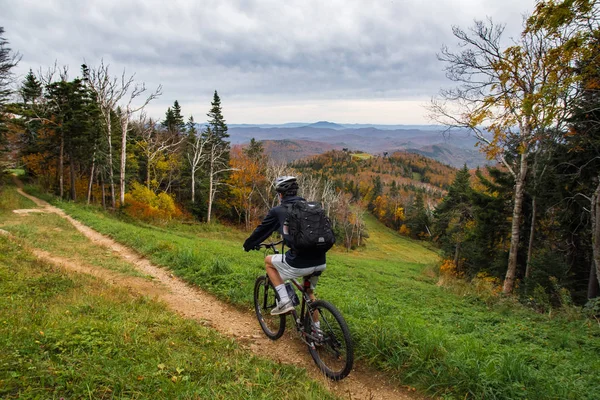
x=191 y=302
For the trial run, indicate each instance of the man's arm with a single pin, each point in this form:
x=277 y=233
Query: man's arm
x=269 y=225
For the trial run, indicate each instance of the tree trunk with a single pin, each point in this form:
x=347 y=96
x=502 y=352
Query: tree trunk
x=456 y=256
x=193 y=185
x=72 y=176
x=509 y=281
x=210 y=191
x=148 y=171
x=91 y=184
x=531 y=236
x=595 y=209
x=592 y=292
x=111 y=174
x=124 y=127
x=60 y=166
x=103 y=190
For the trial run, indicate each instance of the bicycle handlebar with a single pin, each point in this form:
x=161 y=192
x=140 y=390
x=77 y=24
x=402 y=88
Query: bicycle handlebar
x=272 y=245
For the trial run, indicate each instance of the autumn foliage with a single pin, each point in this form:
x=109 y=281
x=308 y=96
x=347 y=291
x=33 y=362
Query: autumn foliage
x=142 y=203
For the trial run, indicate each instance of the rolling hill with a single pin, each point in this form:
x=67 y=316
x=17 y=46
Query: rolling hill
x=291 y=142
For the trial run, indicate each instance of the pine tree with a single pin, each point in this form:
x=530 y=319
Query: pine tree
x=216 y=120
x=75 y=113
x=8 y=61
x=453 y=214
x=31 y=89
x=178 y=121
x=254 y=150
x=31 y=92
x=169 y=121
x=418 y=220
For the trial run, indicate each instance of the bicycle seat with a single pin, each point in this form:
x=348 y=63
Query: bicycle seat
x=316 y=273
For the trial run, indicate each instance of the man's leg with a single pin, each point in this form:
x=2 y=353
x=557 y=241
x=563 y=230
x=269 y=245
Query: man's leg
x=272 y=272
x=285 y=303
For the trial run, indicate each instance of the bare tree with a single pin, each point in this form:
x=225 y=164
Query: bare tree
x=274 y=169
x=196 y=157
x=153 y=142
x=217 y=163
x=109 y=91
x=126 y=112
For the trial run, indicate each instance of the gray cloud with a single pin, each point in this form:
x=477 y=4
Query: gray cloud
x=267 y=50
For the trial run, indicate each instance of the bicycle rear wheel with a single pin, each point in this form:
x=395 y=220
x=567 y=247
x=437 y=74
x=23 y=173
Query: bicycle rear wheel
x=332 y=349
x=264 y=301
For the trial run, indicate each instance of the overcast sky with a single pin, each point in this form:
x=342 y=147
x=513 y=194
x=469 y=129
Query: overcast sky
x=272 y=61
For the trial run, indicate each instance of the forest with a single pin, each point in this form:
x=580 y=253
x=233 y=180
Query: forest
x=530 y=223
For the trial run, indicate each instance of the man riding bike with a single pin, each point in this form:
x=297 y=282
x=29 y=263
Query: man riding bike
x=292 y=264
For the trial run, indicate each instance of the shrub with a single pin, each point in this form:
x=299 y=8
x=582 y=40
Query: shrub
x=143 y=204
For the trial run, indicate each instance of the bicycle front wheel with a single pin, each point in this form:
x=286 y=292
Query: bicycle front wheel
x=331 y=347
x=264 y=301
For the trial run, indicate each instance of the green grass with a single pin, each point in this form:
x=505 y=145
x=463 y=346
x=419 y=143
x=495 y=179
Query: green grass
x=71 y=336
x=456 y=346
x=54 y=234
x=11 y=200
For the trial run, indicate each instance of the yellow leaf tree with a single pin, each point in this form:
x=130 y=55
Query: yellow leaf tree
x=509 y=97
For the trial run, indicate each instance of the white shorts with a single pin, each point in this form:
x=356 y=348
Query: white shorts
x=288 y=272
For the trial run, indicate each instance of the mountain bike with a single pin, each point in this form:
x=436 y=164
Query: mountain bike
x=329 y=344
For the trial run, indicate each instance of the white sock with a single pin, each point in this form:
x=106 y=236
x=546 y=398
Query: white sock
x=283 y=294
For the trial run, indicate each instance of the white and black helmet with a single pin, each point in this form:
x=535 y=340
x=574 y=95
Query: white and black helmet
x=285 y=183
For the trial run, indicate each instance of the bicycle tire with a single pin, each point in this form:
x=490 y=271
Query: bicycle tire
x=264 y=300
x=334 y=353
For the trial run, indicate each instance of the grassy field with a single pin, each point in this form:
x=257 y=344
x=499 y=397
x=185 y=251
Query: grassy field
x=71 y=336
x=456 y=346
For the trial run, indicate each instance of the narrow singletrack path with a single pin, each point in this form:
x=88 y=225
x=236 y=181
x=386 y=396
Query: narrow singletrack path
x=191 y=302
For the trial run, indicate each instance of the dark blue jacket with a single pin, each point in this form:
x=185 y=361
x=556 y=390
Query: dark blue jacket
x=274 y=222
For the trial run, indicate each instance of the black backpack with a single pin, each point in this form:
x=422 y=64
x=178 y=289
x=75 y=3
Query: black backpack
x=308 y=227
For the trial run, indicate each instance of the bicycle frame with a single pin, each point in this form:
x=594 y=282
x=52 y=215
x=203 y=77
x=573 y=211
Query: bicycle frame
x=305 y=302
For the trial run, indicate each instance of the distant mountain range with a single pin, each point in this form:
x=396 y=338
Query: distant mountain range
x=292 y=141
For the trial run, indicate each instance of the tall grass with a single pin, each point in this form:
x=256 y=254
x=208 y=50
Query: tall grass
x=456 y=346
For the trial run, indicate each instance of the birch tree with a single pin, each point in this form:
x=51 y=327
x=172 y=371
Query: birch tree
x=216 y=159
x=195 y=153
x=125 y=115
x=109 y=91
x=509 y=97
x=216 y=151
x=153 y=142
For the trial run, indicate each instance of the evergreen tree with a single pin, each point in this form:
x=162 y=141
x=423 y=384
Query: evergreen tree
x=31 y=89
x=418 y=220
x=216 y=122
x=254 y=150
x=169 y=121
x=31 y=92
x=174 y=122
x=8 y=61
x=452 y=216
x=178 y=121
x=487 y=244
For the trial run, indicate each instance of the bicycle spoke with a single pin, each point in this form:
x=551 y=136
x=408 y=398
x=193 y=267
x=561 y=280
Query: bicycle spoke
x=334 y=353
x=264 y=301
